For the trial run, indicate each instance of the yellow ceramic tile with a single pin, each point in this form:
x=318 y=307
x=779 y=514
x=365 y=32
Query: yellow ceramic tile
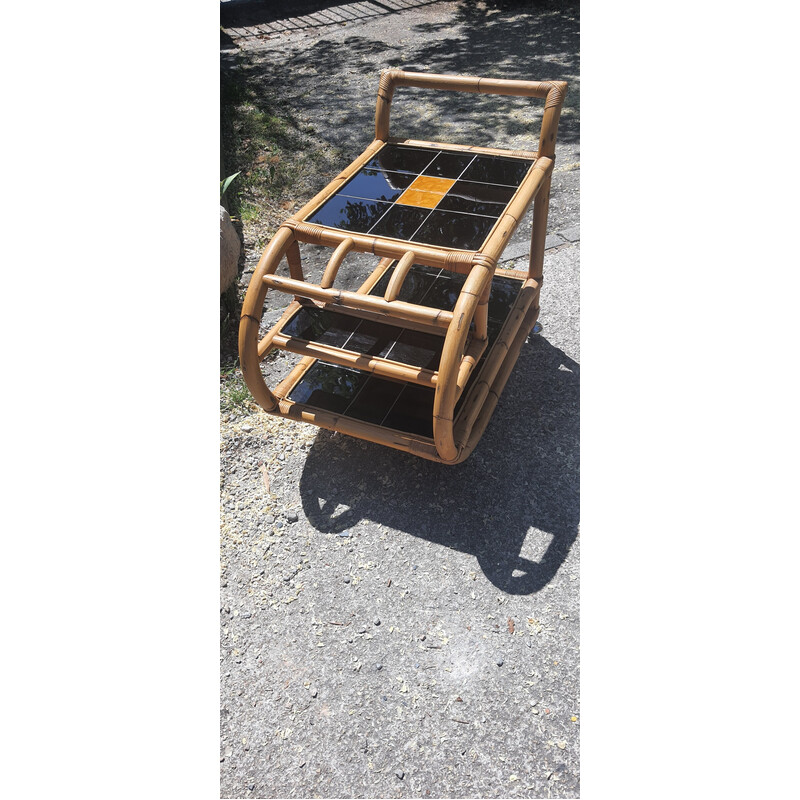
x=413 y=197
x=425 y=192
x=427 y=183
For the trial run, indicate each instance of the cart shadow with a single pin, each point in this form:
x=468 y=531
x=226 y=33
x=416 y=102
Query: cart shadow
x=517 y=493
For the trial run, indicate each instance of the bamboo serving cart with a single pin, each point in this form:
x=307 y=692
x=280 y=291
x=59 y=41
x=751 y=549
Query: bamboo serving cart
x=417 y=357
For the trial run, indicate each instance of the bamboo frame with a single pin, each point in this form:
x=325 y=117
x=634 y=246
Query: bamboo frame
x=465 y=328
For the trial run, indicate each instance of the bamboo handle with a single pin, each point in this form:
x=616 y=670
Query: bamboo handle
x=335 y=262
x=398 y=277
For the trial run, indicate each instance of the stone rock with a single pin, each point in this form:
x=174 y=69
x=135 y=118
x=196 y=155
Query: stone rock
x=229 y=249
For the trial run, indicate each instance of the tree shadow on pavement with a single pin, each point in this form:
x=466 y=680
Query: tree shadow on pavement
x=518 y=491
x=330 y=96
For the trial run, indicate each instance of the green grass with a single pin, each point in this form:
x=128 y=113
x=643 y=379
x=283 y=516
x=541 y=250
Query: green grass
x=234 y=394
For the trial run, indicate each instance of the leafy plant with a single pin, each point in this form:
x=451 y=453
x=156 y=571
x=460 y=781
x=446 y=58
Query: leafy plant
x=223 y=185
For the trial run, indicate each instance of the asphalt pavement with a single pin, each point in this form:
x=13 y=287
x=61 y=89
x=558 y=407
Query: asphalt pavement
x=392 y=627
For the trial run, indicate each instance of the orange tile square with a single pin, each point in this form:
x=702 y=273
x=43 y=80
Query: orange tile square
x=426 y=191
x=414 y=197
x=428 y=183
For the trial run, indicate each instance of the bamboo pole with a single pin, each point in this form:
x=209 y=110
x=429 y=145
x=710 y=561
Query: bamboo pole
x=474 y=401
x=531 y=155
x=552 y=112
x=450 y=362
x=389 y=437
x=499 y=383
x=284 y=388
x=465 y=83
x=384 y=247
x=383 y=318
x=529 y=189
x=265 y=345
x=295 y=265
x=399 y=275
x=335 y=262
x=252 y=310
x=472 y=355
x=397 y=310
x=382 y=367
x=375 y=276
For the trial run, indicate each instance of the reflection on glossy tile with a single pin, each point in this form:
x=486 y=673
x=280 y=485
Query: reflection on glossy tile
x=315 y=325
x=449 y=165
x=349 y=213
x=328 y=387
x=495 y=169
x=375 y=184
x=417 y=283
x=402 y=159
x=467 y=206
x=375 y=400
x=413 y=411
x=403 y=407
x=477 y=198
x=373 y=338
x=504 y=293
x=382 y=284
x=444 y=293
x=401 y=222
x=449 y=229
x=418 y=349
x=428 y=183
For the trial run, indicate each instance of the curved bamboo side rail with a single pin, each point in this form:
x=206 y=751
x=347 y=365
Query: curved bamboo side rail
x=525 y=306
x=252 y=311
x=452 y=357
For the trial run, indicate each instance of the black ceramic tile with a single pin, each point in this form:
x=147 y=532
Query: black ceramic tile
x=444 y=292
x=504 y=293
x=413 y=411
x=375 y=400
x=449 y=229
x=466 y=205
x=315 y=325
x=397 y=158
x=328 y=387
x=448 y=165
x=477 y=198
x=417 y=283
x=349 y=213
x=379 y=289
x=418 y=349
x=374 y=338
x=400 y=223
x=375 y=184
x=494 y=169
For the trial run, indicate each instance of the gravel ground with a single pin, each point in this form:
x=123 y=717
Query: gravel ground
x=392 y=627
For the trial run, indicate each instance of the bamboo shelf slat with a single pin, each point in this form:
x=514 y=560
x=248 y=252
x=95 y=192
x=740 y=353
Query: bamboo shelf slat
x=417 y=357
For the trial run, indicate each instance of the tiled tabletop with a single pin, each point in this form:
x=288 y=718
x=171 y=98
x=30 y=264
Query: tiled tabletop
x=425 y=194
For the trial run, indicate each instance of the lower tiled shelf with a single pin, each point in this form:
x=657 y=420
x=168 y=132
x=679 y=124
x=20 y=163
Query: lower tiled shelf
x=358 y=395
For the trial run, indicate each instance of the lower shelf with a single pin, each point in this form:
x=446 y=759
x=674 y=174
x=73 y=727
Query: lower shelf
x=364 y=398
